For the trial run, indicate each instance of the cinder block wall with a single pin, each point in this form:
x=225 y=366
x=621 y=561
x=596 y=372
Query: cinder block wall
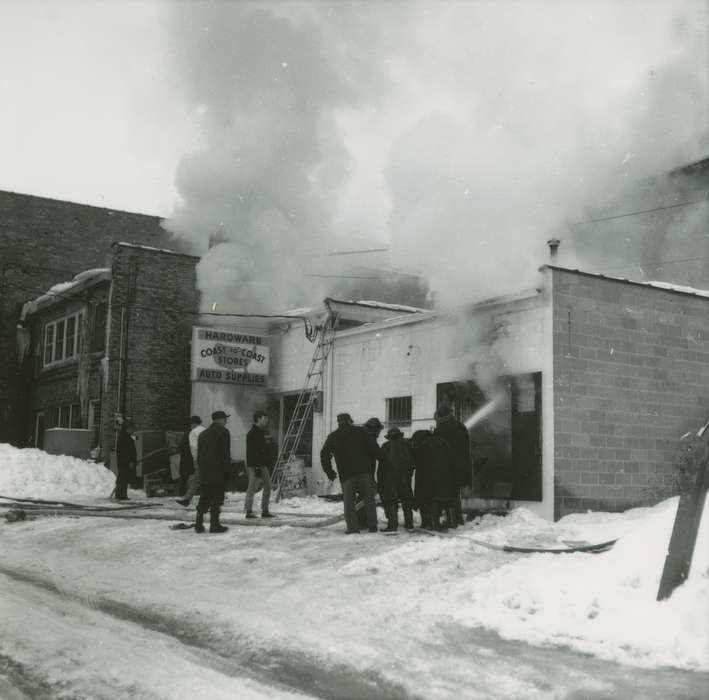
x=44 y=241
x=156 y=289
x=631 y=376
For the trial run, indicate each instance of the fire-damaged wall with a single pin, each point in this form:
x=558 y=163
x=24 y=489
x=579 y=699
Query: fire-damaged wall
x=153 y=306
x=631 y=375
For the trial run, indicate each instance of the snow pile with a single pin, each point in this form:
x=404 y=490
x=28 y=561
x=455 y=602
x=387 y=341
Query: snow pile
x=31 y=473
x=601 y=604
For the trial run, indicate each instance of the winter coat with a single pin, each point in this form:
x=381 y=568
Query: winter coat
x=354 y=449
x=456 y=435
x=433 y=463
x=186 y=461
x=395 y=471
x=259 y=449
x=125 y=451
x=214 y=454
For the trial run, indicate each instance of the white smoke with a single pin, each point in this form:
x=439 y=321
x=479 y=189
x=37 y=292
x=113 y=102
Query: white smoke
x=463 y=134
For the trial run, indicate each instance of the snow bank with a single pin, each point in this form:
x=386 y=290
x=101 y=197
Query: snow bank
x=31 y=473
x=601 y=604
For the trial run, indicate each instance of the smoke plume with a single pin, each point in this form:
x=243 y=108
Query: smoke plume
x=461 y=134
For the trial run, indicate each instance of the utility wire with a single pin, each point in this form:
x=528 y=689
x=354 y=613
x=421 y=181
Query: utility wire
x=658 y=262
x=635 y=213
x=353 y=252
x=183 y=312
x=363 y=277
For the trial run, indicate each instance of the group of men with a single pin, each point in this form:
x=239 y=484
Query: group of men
x=205 y=464
x=440 y=459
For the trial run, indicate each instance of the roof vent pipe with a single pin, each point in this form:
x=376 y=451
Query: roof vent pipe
x=553 y=244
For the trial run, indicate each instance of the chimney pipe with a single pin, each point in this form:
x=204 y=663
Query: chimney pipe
x=553 y=244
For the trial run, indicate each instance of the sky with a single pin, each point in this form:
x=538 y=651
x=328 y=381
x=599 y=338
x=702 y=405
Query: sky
x=452 y=132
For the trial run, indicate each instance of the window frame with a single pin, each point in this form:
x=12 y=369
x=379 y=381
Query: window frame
x=399 y=420
x=51 y=330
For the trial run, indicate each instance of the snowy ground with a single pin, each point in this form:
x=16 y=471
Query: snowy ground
x=94 y=607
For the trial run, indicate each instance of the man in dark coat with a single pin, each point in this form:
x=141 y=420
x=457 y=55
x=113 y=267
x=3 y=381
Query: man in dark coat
x=126 y=459
x=433 y=463
x=374 y=427
x=394 y=479
x=456 y=435
x=214 y=459
x=354 y=450
x=259 y=461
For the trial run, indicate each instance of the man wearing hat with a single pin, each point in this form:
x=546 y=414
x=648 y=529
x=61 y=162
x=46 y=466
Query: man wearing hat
x=355 y=450
x=456 y=435
x=394 y=479
x=214 y=461
x=126 y=459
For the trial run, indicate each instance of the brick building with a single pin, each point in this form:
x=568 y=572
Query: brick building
x=113 y=342
x=585 y=386
x=42 y=241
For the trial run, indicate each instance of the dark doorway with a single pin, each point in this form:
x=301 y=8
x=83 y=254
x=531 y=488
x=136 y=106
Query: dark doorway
x=505 y=444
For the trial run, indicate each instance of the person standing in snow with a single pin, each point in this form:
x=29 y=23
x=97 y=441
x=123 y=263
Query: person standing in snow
x=354 y=450
x=214 y=462
x=456 y=435
x=126 y=459
x=394 y=479
x=193 y=484
x=433 y=463
x=259 y=460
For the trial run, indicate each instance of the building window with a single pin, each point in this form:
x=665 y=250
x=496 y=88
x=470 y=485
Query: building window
x=62 y=339
x=398 y=412
x=64 y=416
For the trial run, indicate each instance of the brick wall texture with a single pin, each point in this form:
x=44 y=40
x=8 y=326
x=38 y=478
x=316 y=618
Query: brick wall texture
x=44 y=241
x=631 y=376
x=156 y=291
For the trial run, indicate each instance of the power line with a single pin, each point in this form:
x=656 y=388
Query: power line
x=183 y=312
x=658 y=262
x=354 y=252
x=635 y=213
x=364 y=277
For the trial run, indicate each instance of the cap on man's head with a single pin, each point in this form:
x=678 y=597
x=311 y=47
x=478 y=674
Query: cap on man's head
x=374 y=424
x=259 y=414
x=394 y=433
x=344 y=418
x=195 y=419
x=217 y=415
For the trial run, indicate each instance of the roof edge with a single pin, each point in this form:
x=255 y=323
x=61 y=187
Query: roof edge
x=660 y=286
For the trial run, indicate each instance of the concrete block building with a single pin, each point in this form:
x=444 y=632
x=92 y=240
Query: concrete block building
x=583 y=386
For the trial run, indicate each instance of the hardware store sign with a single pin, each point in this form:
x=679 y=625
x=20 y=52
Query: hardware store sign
x=229 y=357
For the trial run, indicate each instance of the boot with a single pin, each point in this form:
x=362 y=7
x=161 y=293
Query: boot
x=408 y=517
x=214 y=524
x=391 y=510
x=199 y=523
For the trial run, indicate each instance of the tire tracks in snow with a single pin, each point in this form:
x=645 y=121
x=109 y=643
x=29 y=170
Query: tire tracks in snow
x=221 y=651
